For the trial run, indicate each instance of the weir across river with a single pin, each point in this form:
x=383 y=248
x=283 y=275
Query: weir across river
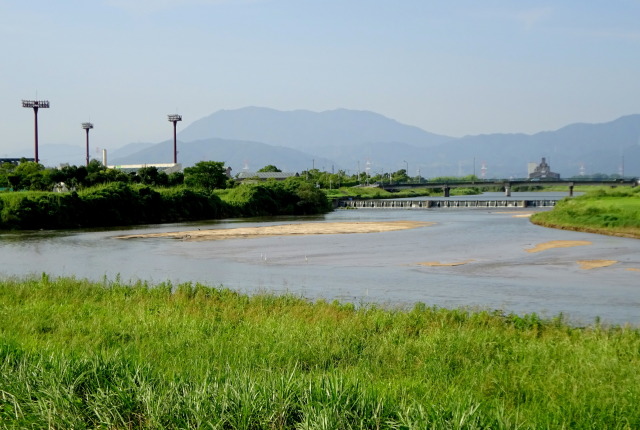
x=449 y=203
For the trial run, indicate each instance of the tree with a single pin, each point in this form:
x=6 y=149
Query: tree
x=152 y=176
x=208 y=175
x=270 y=168
x=175 y=179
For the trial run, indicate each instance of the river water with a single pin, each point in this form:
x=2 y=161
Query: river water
x=382 y=268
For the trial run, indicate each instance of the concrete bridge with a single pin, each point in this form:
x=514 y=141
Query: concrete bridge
x=432 y=204
x=509 y=184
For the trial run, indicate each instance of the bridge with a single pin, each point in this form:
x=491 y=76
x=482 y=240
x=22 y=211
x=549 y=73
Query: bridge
x=509 y=184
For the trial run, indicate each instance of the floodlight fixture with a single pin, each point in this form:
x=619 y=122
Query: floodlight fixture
x=35 y=105
x=174 y=118
x=87 y=126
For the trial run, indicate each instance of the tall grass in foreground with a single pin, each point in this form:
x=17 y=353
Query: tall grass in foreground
x=78 y=354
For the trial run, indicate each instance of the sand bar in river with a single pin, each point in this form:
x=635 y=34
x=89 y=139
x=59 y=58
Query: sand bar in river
x=558 y=244
x=284 y=230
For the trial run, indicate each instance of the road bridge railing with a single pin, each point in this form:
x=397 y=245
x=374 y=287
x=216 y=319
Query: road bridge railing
x=508 y=184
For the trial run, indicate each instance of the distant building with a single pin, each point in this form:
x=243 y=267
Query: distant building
x=543 y=171
x=263 y=176
x=15 y=160
x=61 y=187
x=162 y=167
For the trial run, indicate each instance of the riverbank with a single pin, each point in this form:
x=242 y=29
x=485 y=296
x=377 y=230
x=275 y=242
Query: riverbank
x=120 y=204
x=77 y=354
x=613 y=212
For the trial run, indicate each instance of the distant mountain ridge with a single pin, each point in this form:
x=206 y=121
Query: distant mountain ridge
x=304 y=130
x=352 y=140
x=237 y=154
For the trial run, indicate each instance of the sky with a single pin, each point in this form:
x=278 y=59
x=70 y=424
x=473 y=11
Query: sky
x=456 y=68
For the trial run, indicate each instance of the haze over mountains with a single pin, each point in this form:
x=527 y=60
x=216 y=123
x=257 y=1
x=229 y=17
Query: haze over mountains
x=252 y=137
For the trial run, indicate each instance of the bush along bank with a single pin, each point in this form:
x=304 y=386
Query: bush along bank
x=119 y=204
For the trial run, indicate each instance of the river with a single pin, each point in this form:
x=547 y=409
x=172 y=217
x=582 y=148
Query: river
x=492 y=270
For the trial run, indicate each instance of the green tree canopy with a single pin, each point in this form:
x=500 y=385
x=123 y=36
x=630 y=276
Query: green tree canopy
x=270 y=168
x=152 y=176
x=207 y=175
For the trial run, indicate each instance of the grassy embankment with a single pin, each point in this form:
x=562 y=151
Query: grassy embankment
x=613 y=212
x=76 y=354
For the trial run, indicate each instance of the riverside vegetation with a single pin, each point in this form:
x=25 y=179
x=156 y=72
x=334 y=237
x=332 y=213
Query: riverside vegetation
x=102 y=197
x=106 y=197
x=80 y=354
x=604 y=211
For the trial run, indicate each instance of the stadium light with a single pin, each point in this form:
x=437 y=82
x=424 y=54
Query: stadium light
x=87 y=126
x=174 y=118
x=35 y=105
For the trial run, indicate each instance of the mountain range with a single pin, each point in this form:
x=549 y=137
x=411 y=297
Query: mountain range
x=252 y=137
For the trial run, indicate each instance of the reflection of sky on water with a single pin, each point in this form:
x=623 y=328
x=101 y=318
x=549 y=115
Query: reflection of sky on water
x=380 y=267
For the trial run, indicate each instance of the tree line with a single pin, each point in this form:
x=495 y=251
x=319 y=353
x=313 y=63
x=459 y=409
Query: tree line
x=100 y=197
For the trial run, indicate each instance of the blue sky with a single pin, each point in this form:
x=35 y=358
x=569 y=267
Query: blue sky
x=453 y=68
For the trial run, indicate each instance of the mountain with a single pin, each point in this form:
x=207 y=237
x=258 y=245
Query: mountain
x=306 y=130
x=358 y=140
x=53 y=155
x=590 y=148
x=132 y=148
x=235 y=153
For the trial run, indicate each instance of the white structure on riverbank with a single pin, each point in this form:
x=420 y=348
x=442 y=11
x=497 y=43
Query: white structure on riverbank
x=167 y=168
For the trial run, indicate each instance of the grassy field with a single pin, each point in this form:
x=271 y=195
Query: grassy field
x=77 y=354
x=605 y=211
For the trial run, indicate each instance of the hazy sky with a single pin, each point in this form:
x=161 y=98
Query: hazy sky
x=453 y=68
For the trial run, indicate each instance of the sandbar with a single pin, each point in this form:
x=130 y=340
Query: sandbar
x=516 y=214
x=439 y=264
x=595 y=264
x=284 y=230
x=558 y=244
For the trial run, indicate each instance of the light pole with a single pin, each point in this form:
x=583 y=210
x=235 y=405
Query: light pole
x=35 y=104
x=407 y=169
x=87 y=126
x=174 y=118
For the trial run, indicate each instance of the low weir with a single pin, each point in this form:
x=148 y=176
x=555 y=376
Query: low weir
x=432 y=204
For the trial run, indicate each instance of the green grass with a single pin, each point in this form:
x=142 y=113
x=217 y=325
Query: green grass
x=606 y=211
x=78 y=354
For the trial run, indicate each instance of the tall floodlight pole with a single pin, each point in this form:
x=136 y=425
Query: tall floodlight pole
x=87 y=126
x=174 y=119
x=35 y=104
